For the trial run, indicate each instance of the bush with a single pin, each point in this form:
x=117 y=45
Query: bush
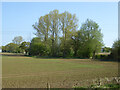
x=98 y=56
x=101 y=57
x=115 y=54
x=38 y=49
x=11 y=48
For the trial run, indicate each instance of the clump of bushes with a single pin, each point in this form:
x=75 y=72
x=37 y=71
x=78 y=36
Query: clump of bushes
x=103 y=57
x=38 y=48
x=115 y=54
x=115 y=86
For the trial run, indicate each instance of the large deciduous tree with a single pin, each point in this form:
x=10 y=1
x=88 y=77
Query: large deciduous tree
x=54 y=31
x=90 y=39
x=68 y=28
x=42 y=27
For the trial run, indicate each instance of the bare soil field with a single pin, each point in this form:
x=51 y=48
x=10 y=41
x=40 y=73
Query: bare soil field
x=29 y=72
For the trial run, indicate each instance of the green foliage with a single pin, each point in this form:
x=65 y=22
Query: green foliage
x=115 y=53
x=17 y=47
x=112 y=86
x=88 y=39
x=103 y=57
x=57 y=36
x=68 y=28
x=51 y=25
x=38 y=48
x=3 y=49
x=25 y=46
x=12 y=48
x=83 y=43
x=65 y=48
x=106 y=49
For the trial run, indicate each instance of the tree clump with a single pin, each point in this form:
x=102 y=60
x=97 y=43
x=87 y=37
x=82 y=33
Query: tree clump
x=58 y=35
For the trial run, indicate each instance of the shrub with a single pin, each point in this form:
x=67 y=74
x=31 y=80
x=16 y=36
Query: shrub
x=38 y=49
x=115 y=54
x=101 y=57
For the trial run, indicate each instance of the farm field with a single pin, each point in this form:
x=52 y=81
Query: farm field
x=28 y=72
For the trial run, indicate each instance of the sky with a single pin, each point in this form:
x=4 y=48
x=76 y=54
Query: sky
x=18 y=17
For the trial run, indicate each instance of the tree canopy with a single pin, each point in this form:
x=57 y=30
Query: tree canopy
x=115 y=53
x=58 y=35
x=59 y=32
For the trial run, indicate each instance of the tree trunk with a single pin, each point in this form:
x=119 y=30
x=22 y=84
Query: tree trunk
x=93 y=57
x=53 y=39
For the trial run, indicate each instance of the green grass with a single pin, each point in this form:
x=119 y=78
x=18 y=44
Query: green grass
x=21 y=71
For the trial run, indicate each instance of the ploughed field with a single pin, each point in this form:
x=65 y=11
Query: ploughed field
x=28 y=72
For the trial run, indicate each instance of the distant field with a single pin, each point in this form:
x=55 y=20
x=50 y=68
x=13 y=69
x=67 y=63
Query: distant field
x=28 y=72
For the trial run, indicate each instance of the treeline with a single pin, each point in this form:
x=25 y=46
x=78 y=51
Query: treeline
x=17 y=46
x=58 y=35
x=115 y=52
x=20 y=46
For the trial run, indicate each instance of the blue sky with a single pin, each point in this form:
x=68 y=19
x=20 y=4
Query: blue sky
x=18 y=18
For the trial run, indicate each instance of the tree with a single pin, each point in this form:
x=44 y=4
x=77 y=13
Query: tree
x=12 y=48
x=42 y=27
x=25 y=46
x=106 y=49
x=3 y=48
x=90 y=38
x=54 y=31
x=115 y=53
x=47 y=28
x=37 y=47
x=36 y=39
x=17 y=40
x=68 y=28
x=77 y=42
